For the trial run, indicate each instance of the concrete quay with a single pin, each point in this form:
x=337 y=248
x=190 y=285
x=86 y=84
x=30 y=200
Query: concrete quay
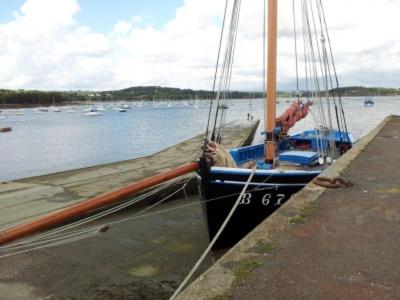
x=323 y=243
x=25 y=199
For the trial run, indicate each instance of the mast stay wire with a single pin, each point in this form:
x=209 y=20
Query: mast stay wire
x=311 y=60
x=317 y=61
x=222 y=74
x=228 y=60
x=324 y=32
x=229 y=76
x=323 y=62
x=334 y=70
x=295 y=50
x=216 y=69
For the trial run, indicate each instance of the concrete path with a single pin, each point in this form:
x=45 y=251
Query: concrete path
x=324 y=244
x=25 y=199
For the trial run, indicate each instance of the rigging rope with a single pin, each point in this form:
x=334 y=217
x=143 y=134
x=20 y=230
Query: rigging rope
x=93 y=231
x=58 y=231
x=57 y=234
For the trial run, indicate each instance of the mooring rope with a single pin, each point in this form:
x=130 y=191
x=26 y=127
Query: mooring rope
x=221 y=229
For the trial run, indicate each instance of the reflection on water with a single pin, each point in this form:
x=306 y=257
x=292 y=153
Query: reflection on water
x=51 y=142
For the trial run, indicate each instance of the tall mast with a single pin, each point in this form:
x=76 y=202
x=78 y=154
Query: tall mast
x=270 y=104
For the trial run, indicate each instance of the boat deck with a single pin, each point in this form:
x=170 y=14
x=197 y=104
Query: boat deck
x=25 y=199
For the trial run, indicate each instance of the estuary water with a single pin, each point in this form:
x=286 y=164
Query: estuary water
x=43 y=143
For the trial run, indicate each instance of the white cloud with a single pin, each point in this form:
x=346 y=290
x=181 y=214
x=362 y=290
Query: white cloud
x=44 y=47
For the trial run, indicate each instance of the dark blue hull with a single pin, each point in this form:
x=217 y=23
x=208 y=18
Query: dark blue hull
x=220 y=188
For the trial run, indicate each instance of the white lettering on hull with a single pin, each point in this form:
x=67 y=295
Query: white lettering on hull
x=265 y=200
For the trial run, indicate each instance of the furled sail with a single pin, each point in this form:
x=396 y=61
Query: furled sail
x=297 y=111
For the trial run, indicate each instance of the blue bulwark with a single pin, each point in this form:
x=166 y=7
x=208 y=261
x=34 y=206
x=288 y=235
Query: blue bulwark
x=299 y=157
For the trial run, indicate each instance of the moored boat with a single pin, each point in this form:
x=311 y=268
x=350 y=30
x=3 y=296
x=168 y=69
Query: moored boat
x=5 y=129
x=241 y=187
x=368 y=102
x=93 y=113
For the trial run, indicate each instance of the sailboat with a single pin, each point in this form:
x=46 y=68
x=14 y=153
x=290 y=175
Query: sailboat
x=92 y=111
x=283 y=164
x=54 y=108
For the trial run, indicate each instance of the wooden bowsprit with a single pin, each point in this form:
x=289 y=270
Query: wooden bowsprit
x=61 y=216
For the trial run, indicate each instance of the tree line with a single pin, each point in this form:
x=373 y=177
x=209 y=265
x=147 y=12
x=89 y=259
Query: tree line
x=33 y=97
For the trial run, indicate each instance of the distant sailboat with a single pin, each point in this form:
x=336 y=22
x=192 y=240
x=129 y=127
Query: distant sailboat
x=125 y=106
x=101 y=108
x=92 y=111
x=54 y=108
x=40 y=109
x=70 y=109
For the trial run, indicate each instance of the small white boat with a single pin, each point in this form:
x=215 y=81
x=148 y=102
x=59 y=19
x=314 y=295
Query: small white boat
x=93 y=113
x=122 y=110
x=40 y=110
x=55 y=109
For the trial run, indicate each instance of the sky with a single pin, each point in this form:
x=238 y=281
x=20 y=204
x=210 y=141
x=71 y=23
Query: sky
x=103 y=45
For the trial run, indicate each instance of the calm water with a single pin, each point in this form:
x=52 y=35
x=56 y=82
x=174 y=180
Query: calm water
x=51 y=142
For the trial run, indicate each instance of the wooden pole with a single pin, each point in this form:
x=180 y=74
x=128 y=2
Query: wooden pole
x=61 y=216
x=270 y=113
